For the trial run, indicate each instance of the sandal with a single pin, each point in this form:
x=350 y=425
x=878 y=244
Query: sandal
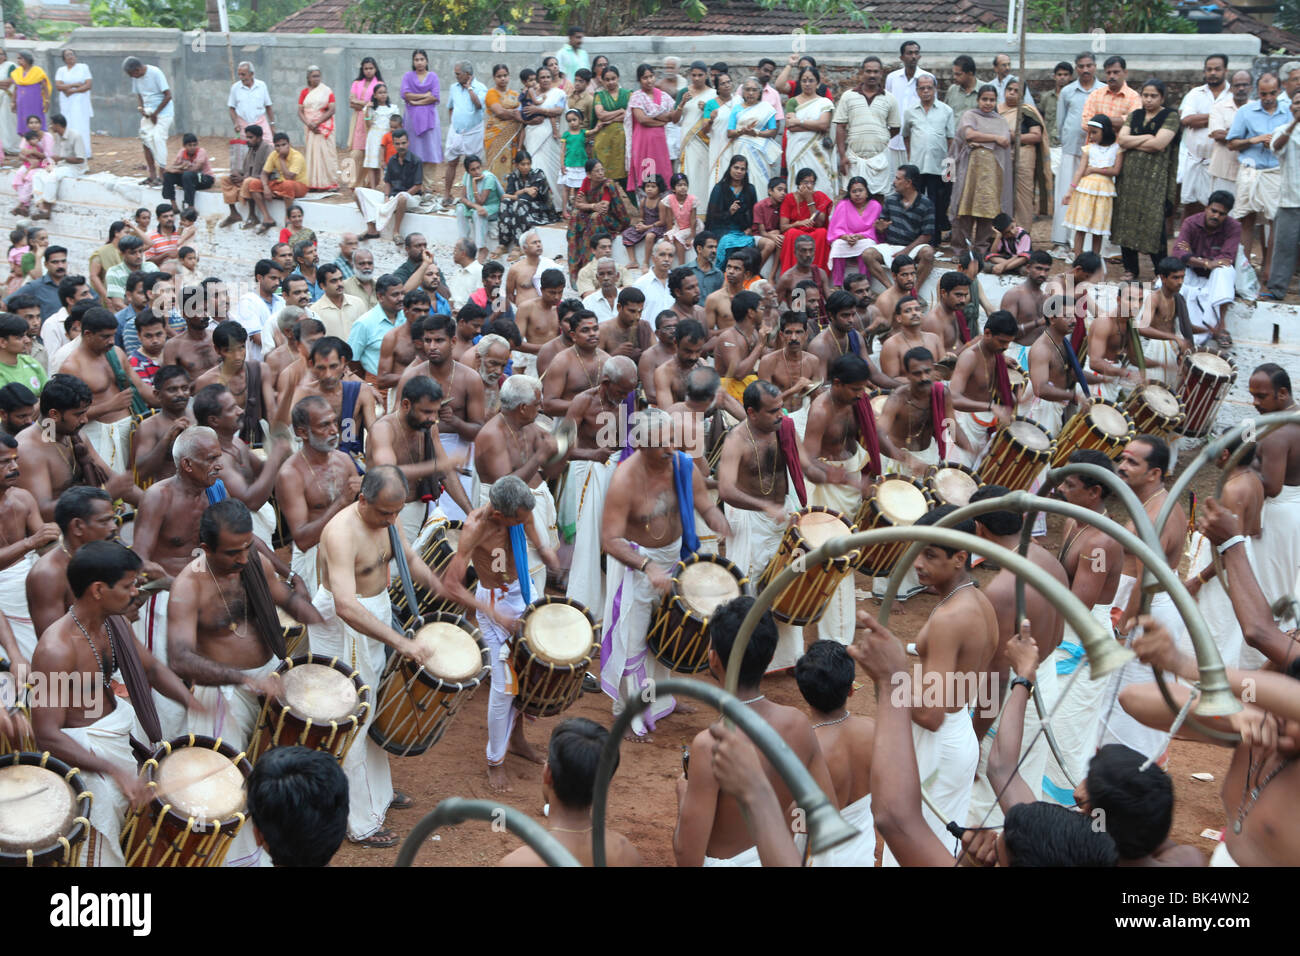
x=401 y=801
x=1269 y=297
x=369 y=235
x=381 y=840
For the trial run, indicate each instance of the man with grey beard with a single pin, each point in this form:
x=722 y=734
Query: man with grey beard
x=316 y=483
x=362 y=283
x=493 y=356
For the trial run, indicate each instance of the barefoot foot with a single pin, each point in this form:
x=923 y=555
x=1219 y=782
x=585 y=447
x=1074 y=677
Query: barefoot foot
x=498 y=781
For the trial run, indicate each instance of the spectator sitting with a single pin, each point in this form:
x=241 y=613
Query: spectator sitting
x=191 y=168
x=239 y=184
x=284 y=176
x=69 y=160
x=403 y=179
x=905 y=225
x=1011 y=251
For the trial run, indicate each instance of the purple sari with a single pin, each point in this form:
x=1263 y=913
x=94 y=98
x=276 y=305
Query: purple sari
x=422 y=122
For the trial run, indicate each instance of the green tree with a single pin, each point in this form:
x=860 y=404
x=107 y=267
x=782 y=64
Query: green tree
x=1108 y=16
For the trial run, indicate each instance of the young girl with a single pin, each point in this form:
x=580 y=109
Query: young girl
x=1092 y=194
x=32 y=157
x=18 y=247
x=188 y=272
x=376 y=117
x=681 y=206
x=575 y=157
x=654 y=219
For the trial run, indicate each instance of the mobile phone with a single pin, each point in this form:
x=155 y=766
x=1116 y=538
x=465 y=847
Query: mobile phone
x=686 y=761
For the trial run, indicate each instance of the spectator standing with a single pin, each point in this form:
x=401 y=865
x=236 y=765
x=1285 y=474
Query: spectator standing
x=154 y=103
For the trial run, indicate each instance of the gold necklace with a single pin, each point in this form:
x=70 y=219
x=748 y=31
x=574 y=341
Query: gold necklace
x=234 y=628
x=758 y=464
x=591 y=383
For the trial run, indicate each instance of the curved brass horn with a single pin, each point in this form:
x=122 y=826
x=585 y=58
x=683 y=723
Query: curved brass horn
x=826 y=828
x=457 y=810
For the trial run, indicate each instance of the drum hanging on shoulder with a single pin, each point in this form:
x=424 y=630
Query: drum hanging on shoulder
x=804 y=601
x=1205 y=377
x=952 y=484
x=415 y=705
x=324 y=704
x=895 y=501
x=1154 y=410
x=295 y=634
x=1103 y=427
x=45 y=815
x=557 y=642
x=1018 y=451
x=679 y=633
x=198 y=805
x=436 y=552
x=13 y=701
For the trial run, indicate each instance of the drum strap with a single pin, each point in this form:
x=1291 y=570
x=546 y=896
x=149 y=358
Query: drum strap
x=428 y=488
x=262 y=607
x=684 y=480
x=216 y=492
x=629 y=408
x=403 y=569
x=1005 y=395
x=93 y=474
x=1183 y=317
x=867 y=431
x=787 y=440
x=519 y=552
x=938 y=414
x=133 y=675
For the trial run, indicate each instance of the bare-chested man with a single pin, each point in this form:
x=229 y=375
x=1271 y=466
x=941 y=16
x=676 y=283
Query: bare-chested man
x=1114 y=348
x=87 y=644
x=825 y=675
x=489 y=543
x=247 y=379
x=1165 y=324
x=949 y=318
x=1025 y=303
x=520 y=287
x=701 y=425
x=117 y=389
x=717 y=307
x=909 y=333
x=1051 y=372
x=1279 y=468
x=192 y=350
x=903 y=271
x=22 y=531
x=684 y=287
x=842 y=336
x=575 y=368
x=801 y=271
x=670 y=376
x=326 y=375
x=285 y=353
x=469 y=325
x=738 y=349
x=551 y=349
x=980 y=389
x=911 y=435
x=753 y=482
x=1003 y=528
x=711 y=830
x=642 y=531
x=663 y=349
x=626 y=333
x=302 y=337
x=792 y=369
x=538 y=321
x=398 y=351
x=83 y=515
x=151 y=441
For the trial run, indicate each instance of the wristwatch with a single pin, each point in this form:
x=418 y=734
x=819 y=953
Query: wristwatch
x=1029 y=685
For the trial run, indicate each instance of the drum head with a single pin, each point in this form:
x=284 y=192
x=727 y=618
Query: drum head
x=319 y=691
x=818 y=527
x=558 y=633
x=1109 y=420
x=456 y=655
x=1212 y=363
x=1162 y=401
x=900 y=501
x=706 y=584
x=1017 y=377
x=955 y=486
x=286 y=621
x=39 y=807
x=201 y=783
x=1030 y=436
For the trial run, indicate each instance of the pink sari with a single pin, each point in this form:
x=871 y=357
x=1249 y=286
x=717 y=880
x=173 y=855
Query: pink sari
x=361 y=90
x=647 y=146
x=847 y=221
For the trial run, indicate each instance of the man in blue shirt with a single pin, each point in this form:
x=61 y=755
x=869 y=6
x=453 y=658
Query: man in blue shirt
x=46 y=288
x=705 y=265
x=367 y=335
x=465 y=103
x=1259 y=178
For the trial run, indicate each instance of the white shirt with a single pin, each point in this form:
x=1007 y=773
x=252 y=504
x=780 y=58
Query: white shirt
x=904 y=90
x=250 y=102
x=61 y=356
x=657 y=296
x=602 y=307
x=52 y=332
x=464 y=282
x=1001 y=87
x=252 y=312
x=151 y=88
x=1289 y=162
x=1200 y=99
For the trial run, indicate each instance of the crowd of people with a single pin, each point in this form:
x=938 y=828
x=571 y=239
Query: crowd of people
x=186 y=453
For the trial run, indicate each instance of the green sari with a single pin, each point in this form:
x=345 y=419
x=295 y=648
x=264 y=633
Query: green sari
x=610 y=144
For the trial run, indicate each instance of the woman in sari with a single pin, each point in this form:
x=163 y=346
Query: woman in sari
x=359 y=96
x=525 y=203
x=421 y=94
x=718 y=112
x=609 y=145
x=807 y=128
x=730 y=215
x=1035 y=166
x=316 y=110
x=649 y=110
x=852 y=230
x=31 y=91
x=981 y=162
x=541 y=136
x=804 y=212
x=1144 y=187
x=597 y=207
x=502 y=124
x=695 y=125
x=753 y=132
x=8 y=119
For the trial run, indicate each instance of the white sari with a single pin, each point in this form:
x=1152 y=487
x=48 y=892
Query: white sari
x=804 y=150
x=720 y=150
x=8 y=120
x=697 y=146
x=75 y=107
x=763 y=154
x=543 y=147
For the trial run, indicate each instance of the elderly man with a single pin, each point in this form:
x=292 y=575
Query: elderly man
x=154 y=104
x=250 y=101
x=902 y=85
x=1069 y=114
x=1116 y=99
x=69 y=157
x=348 y=243
x=237 y=186
x=865 y=119
x=654 y=284
x=928 y=129
x=1259 y=177
x=467 y=278
x=1223 y=161
x=1195 y=116
x=1002 y=75
x=465 y=126
x=402 y=181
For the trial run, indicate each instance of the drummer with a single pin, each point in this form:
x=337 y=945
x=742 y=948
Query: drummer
x=151 y=441
x=576 y=367
x=1165 y=324
x=981 y=386
x=561 y=342
x=908 y=334
x=695 y=420
x=1025 y=303
x=324 y=375
x=914 y=424
x=1114 y=347
x=737 y=350
x=646 y=527
x=22 y=532
x=792 y=369
x=841 y=336
x=96 y=737
x=512 y=443
x=664 y=349
x=493 y=543
x=1279 y=467
x=223 y=635
x=670 y=377
x=1055 y=373
x=762 y=462
x=947 y=318
x=842 y=430
x=83 y=514
x=316 y=483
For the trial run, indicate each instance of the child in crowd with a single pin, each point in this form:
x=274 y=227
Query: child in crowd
x=1011 y=250
x=32 y=155
x=188 y=272
x=1092 y=194
x=378 y=117
x=653 y=222
x=394 y=124
x=18 y=248
x=575 y=158
x=681 y=208
x=767 y=216
x=151 y=327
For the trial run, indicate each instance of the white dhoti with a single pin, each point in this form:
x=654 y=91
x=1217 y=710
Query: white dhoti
x=1162 y=362
x=232 y=710
x=1204 y=294
x=875 y=170
x=1278 y=550
x=151 y=631
x=1061 y=233
x=153 y=133
x=370 y=782
x=375 y=208
x=754 y=539
x=543 y=521
x=111 y=441
x=1216 y=606
x=109 y=739
x=588 y=481
x=501 y=711
x=412 y=519
x=743 y=858
x=1221 y=856
x=910 y=584
x=264 y=521
x=984 y=809
x=455 y=446
x=626 y=664
x=709 y=541
x=524 y=363
x=859 y=851
x=45 y=182
x=1077 y=723
x=1117 y=726
x=13 y=602
x=1049 y=414
x=838 y=621
x=1197 y=182
x=303 y=564
x=977 y=432
x=946 y=759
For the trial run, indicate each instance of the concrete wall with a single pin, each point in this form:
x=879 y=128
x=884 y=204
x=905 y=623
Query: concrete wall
x=199 y=66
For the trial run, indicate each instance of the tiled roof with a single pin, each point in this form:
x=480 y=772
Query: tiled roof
x=1236 y=20
x=747 y=17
